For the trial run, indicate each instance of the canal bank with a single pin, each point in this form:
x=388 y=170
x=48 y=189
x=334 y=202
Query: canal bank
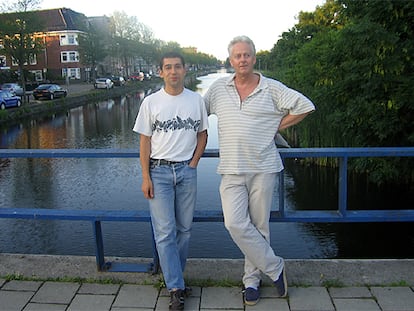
x=78 y=94
x=82 y=93
x=44 y=282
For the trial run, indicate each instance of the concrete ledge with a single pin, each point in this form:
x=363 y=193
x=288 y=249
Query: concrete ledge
x=308 y=272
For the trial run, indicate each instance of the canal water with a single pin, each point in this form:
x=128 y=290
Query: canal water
x=111 y=184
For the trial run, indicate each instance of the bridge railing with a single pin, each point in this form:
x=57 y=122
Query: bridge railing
x=341 y=214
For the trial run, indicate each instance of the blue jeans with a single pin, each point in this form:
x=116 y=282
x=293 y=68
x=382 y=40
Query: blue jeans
x=172 y=209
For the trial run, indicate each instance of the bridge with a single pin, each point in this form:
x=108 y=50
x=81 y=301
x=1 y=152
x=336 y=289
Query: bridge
x=342 y=214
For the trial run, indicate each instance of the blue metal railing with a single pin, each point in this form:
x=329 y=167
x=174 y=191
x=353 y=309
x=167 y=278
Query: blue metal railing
x=341 y=214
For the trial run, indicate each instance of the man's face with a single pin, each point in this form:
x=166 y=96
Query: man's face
x=242 y=58
x=173 y=72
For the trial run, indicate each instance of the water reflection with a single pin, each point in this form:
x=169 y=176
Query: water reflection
x=109 y=184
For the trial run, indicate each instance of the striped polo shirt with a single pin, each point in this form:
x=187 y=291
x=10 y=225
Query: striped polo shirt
x=246 y=129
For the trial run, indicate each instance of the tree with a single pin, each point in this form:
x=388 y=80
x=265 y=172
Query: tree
x=92 y=49
x=148 y=52
x=19 y=6
x=302 y=59
x=354 y=60
x=131 y=40
x=21 y=33
x=125 y=27
x=377 y=64
x=262 y=58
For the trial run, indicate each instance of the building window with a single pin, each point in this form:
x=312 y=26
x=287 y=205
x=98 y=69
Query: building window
x=73 y=73
x=69 y=39
x=69 y=56
x=37 y=74
x=32 y=61
x=2 y=61
x=72 y=39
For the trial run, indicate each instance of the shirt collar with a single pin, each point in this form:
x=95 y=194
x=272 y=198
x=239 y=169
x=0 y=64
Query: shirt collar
x=262 y=82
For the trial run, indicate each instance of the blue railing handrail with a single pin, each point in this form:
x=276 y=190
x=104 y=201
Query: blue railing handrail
x=343 y=153
x=334 y=152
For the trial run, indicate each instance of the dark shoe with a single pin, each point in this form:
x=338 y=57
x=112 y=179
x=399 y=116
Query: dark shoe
x=177 y=300
x=281 y=284
x=251 y=296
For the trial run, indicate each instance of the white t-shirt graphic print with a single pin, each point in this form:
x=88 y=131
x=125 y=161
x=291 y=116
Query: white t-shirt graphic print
x=173 y=122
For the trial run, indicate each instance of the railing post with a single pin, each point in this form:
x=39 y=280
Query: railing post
x=99 y=251
x=343 y=185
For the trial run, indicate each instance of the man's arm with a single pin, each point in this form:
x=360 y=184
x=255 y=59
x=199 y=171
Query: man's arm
x=291 y=119
x=144 y=157
x=201 y=146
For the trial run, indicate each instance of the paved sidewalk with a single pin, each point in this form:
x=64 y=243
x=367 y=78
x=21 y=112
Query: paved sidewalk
x=42 y=292
x=38 y=295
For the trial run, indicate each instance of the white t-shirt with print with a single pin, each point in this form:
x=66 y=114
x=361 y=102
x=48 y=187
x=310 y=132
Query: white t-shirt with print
x=172 y=122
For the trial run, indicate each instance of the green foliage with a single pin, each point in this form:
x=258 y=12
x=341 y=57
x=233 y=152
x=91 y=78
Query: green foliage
x=160 y=284
x=17 y=31
x=334 y=283
x=20 y=40
x=130 y=45
x=3 y=114
x=7 y=76
x=354 y=59
x=92 y=48
x=398 y=284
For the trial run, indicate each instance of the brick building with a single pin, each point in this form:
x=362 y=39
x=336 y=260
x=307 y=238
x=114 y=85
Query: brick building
x=60 y=58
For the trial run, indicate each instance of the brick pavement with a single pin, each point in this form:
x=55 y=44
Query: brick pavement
x=71 y=296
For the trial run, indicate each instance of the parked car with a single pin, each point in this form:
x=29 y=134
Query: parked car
x=139 y=76
x=147 y=76
x=13 y=88
x=8 y=99
x=49 y=91
x=103 y=83
x=118 y=81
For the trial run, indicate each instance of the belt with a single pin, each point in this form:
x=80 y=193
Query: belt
x=164 y=162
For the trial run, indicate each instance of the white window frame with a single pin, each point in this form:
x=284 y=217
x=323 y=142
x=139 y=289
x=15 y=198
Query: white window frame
x=68 y=39
x=62 y=39
x=69 y=57
x=3 y=59
x=32 y=61
x=38 y=75
x=72 y=39
x=74 y=73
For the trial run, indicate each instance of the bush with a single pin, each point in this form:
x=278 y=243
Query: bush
x=8 y=76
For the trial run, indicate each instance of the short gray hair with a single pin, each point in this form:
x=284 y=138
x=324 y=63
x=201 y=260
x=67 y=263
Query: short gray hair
x=239 y=39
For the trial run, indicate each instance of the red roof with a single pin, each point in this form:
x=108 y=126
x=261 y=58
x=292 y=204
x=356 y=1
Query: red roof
x=57 y=19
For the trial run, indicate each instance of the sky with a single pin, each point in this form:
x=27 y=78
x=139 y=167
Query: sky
x=208 y=25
